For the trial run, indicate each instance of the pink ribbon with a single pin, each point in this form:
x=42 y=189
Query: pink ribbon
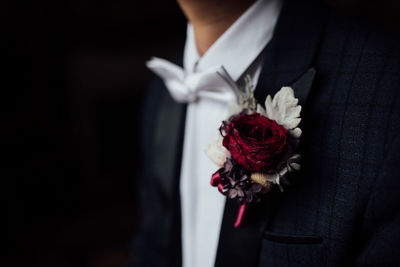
x=241 y=212
x=216 y=182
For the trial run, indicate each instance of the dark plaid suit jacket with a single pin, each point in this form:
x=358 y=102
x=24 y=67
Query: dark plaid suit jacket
x=342 y=208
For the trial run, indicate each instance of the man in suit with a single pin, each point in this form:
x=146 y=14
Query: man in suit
x=340 y=209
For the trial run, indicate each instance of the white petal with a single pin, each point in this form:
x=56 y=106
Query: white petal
x=283 y=172
x=261 y=110
x=217 y=153
x=269 y=109
x=296 y=132
x=273 y=178
x=295 y=158
x=295 y=166
x=284 y=108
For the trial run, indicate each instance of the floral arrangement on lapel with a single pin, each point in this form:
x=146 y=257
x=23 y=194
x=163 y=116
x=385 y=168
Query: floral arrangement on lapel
x=256 y=148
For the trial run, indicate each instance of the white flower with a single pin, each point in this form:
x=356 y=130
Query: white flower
x=217 y=153
x=283 y=108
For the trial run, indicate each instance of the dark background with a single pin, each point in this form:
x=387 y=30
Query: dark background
x=72 y=84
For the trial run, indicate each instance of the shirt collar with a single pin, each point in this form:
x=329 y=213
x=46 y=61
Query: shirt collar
x=238 y=46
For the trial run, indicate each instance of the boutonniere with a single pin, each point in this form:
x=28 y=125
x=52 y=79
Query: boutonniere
x=257 y=147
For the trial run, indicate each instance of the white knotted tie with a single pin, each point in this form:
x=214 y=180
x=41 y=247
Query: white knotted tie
x=188 y=87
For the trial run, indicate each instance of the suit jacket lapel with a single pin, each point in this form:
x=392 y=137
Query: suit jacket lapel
x=291 y=51
x=287 y=57
x=168 y=141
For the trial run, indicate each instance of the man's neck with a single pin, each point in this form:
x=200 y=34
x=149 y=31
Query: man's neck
x=211 y=18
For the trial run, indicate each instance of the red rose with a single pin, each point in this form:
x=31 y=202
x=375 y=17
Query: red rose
x=254 y=141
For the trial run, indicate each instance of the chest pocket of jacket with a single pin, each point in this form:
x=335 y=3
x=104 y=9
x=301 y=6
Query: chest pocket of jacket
x=291 y=250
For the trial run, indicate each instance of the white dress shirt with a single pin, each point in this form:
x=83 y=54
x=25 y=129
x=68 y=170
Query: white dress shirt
x=239 y=51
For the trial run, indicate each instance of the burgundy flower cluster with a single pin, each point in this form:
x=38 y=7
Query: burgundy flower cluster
x=257 y=148
x=234 y=181
x=256 y=144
